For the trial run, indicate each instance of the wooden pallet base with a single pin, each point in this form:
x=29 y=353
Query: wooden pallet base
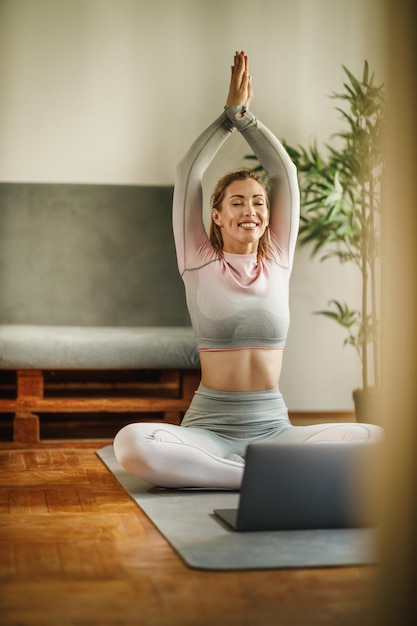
x=157 y=395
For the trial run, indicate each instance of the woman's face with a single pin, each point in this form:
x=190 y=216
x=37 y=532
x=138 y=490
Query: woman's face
x=243 y=216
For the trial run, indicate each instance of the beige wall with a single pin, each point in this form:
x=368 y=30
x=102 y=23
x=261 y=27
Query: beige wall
x=114 y=91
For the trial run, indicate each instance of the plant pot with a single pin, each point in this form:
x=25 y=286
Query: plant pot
x=368 y=405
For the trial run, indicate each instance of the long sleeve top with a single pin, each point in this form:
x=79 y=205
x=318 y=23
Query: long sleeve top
x=234 y=300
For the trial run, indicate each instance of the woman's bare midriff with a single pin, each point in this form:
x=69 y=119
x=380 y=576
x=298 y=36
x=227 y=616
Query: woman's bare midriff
x=247 y=369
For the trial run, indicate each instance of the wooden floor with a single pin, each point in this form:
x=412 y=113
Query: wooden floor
x=76 y=550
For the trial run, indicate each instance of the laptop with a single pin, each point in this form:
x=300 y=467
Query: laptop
x=307 y=486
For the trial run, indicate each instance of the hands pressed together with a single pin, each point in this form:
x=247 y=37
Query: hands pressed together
x=240 y=90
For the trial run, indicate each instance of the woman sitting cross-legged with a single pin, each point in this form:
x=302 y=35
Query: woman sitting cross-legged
x=237 y=288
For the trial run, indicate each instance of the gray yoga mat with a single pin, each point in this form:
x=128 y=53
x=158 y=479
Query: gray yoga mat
x=186 y=519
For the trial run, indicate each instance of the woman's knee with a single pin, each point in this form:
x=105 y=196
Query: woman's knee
x=352 y=432
x=130 y=447
x=137 y=447
x=343 y=432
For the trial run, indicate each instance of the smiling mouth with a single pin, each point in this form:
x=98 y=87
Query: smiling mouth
x=248 y=225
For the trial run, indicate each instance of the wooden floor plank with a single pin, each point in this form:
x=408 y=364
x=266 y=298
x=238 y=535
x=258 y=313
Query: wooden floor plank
x=37 y=477
x=30 y=529
x=76 y=550
x=87 y=499
x=4 y=459
x=63 y=500
x=99 y=565
x=19 y=502
x=8 y=569
x=25 y=500
x=95 y=602
x=37 y=501
x=44 y=558
x=4 y=501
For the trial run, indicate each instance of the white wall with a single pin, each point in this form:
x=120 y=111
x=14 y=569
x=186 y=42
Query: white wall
x=114 y=91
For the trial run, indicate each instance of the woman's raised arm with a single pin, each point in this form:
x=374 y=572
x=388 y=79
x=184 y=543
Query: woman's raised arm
x=189 y=232
x=285 y=195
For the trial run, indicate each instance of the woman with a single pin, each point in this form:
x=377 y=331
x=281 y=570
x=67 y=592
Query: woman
x=237 y=288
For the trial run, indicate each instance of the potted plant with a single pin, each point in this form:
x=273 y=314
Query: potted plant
x=341 y=217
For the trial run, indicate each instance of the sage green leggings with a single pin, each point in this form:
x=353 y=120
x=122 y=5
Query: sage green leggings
x=208 y=449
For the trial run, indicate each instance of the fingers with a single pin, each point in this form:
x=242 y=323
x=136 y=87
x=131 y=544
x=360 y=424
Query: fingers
x=242 y=63
x=239 y=68
x=250 y=93
x=240 y=90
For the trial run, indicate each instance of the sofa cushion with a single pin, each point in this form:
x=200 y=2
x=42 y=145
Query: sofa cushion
x=91 y=347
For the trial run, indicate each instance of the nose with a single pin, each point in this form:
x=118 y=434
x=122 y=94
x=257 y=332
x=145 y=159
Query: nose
x=249 y=209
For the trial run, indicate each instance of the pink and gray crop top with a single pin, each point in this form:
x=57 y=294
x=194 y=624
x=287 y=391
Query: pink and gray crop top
x=235 y=301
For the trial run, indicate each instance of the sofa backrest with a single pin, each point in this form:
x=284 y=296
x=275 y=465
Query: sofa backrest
x=73 y=254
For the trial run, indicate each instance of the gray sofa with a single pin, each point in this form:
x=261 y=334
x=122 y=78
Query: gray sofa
x=89 y=282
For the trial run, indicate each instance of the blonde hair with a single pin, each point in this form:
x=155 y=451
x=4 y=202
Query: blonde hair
x=215 y=236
